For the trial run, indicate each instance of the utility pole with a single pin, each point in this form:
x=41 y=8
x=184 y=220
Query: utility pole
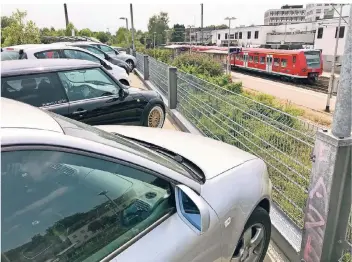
x=132 y=28
x=228 y=67
x=154 y=39
x=66 y=15
x=285 y=32
x=201 y=23
x=332 y=76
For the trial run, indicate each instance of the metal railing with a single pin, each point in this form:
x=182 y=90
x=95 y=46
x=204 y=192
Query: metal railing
x=140 y=62
x=283 y=141
x=158 y=74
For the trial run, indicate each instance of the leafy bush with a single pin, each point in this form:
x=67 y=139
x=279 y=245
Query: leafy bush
x=202 y=64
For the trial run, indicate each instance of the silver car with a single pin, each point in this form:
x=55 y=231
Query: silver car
x=72 y=192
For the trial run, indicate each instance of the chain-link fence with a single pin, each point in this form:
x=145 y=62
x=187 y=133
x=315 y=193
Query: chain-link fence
x=140 y=62
x=283 y=141
x=158 y=74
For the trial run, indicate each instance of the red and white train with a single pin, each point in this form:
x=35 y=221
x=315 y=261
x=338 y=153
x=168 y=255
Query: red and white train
x=293 y=64
x=304 y=64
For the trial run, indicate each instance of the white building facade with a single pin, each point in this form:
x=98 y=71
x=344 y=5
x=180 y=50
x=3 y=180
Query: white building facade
x=318 y=11
x=287 y=14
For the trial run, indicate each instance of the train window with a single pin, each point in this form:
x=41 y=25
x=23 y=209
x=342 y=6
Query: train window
x=276 y=61
x=283 y=62
x=262 y=60
x=294 y=59
x=250 y=58
x=256 y=59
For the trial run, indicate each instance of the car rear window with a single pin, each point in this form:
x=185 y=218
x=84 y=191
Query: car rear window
x=12 y=55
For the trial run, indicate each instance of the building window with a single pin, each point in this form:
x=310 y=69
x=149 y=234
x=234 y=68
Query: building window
x=232 y=36
x=318 y=11
x=320 y=32
x=341 y=33
x=226 y=36
x=240 y=35
x=249 y=34
x=236 y=35
x=218 y=36
x=319 y=4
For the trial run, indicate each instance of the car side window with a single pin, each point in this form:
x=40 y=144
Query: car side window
x=95 y=51
x=60 y=206
x=47 y=54
x=37 y=90
x=189 y=210
x=107 y=49
x=87 y=84
x=77 y=54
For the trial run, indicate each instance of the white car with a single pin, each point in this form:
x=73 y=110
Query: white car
x=43 y=51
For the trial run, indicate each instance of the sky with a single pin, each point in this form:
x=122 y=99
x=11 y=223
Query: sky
x=105 y=15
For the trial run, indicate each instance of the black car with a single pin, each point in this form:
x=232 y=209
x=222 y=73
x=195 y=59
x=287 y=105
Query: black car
x=81 y=90
x=112 y=59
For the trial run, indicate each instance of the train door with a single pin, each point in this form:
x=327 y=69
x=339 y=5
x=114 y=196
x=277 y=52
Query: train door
x=245 y=59
x=269 y=63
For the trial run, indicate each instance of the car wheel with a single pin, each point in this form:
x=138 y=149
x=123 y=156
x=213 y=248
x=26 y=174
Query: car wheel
x=254 y=241
x=155 y=117
x=130 y=63
x=124 y=82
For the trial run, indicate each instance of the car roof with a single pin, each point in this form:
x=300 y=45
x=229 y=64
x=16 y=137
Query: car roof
x=12 y=116
x=21 y=46
x=34 y=66
x=83 y=43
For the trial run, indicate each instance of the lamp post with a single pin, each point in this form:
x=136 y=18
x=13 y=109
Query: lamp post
x=126 y=35
x=228 y=67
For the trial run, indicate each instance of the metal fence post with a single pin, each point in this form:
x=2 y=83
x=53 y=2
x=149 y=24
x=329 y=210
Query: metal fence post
x=172 y=86
x=146 y=67
x=329 y=201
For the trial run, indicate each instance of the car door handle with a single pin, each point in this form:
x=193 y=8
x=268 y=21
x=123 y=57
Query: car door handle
x=79 y=112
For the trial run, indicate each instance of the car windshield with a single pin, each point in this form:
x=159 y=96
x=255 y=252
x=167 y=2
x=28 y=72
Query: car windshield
x=81 y=130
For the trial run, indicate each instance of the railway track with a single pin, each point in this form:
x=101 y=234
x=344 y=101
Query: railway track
x=320 y=86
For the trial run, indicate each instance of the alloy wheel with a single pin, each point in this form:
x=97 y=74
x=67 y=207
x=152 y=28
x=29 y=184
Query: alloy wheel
x=251 y=244
x=156 y=117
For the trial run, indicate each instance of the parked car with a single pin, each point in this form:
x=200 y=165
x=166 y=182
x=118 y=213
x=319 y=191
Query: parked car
x=111 y=58
x=129 y=59
x=73 y=192
x=44 y=51
x=81 y=90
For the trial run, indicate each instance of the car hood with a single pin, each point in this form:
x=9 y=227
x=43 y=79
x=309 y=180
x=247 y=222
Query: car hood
x=211 y=156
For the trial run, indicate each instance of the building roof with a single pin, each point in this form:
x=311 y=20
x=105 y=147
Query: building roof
x=33 y=66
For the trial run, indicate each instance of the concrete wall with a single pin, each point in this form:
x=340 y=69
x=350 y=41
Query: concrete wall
x=303 y=38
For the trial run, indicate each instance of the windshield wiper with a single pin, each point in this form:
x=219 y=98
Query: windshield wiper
x=190 y=167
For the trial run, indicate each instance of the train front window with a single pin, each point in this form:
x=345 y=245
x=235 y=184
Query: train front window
x=313 y=59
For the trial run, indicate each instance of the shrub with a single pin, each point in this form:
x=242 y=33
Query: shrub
x=203 y=64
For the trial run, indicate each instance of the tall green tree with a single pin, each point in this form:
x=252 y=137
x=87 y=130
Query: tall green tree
x=18 y=32
x=158 y=24
x=178 y=33
x=85 y=32
x=103 y=37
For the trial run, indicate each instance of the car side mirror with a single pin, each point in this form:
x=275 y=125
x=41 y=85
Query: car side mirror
x=123 y=93
x=192 y=209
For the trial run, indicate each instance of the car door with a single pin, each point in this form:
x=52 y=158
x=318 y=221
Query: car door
x=96 y=99
x=40 y=90
x=81 y=206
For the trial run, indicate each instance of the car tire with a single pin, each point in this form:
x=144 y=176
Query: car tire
x=124 y=82
x=155 y=117
x=258 y=227
x=130 y=63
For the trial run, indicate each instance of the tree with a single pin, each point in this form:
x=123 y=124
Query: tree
x=85 y=32
x=158 y=24
x=178 y=33
x=69 y=28
x=103 y=37
x=18 y=32
x=6 y=21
